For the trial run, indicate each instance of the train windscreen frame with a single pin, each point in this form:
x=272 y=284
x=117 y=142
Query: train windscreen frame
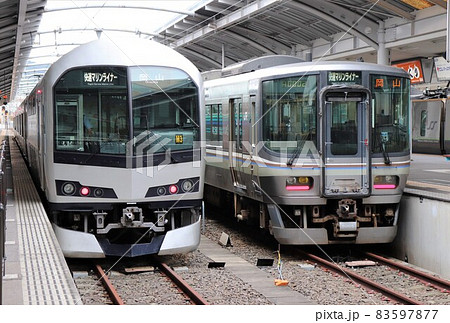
x=390 y=113
x=165 y=109
x=290 y=112
x=91 y=111
x=95 y=125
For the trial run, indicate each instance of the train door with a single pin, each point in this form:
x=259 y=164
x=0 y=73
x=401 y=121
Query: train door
x=235 y=146
x=254 y=144
x=41 y=138
x=346 y=170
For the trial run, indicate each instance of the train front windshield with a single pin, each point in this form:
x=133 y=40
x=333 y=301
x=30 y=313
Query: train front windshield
x=289 y=112
x=165 y=109
x=290 y=108
x=92 y=113
x=390 y=114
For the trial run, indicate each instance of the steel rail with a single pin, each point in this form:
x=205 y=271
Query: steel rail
x=182 y=284
x=435 y=281
x=115 y=298
x=363 y=280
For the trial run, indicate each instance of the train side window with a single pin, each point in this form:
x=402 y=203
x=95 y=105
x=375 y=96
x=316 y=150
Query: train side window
x=214 y=132
x=208 y=122
x=423 y=122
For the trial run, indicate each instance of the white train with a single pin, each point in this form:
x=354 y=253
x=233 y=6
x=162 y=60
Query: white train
x=316 y=152
x=112 y=136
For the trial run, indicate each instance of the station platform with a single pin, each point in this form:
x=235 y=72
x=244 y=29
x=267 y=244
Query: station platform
x=429 y=177
x=34 y=268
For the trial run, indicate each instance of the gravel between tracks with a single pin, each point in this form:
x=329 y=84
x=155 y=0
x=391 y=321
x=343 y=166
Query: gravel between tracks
x=219 y=286
x=322 y=287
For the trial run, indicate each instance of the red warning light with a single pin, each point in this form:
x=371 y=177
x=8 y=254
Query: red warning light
x=84 y=191
x=173 y=189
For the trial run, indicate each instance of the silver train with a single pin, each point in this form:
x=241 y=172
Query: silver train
x=111 y=134
x=431 y=123
x=318 y=153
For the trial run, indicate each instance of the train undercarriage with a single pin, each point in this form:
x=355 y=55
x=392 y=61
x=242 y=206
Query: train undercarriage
x=129 y=230
x=344 y=220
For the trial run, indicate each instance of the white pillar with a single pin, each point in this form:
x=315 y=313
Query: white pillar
x=382 y=53
x=223 y=56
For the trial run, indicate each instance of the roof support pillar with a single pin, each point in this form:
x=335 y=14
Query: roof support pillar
x=223 y=56
x=383 y=54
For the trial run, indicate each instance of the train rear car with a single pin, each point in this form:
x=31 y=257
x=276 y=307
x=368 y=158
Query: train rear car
x=111 y=134
x=317 y=152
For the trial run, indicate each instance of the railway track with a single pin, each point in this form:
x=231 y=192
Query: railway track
x=359 y=279
x=438 y=283
x=181 y=284
x=396 y=294
x=109 y=287
x=160 y=286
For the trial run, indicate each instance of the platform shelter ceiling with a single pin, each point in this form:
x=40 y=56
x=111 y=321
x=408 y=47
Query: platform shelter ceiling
x=218 y=33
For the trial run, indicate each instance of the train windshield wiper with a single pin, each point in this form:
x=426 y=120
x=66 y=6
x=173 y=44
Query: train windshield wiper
x=94 y=148
x=384 y=140
x=294 y=155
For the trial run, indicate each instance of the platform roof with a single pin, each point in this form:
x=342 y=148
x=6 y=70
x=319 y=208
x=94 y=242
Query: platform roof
x=217 y=33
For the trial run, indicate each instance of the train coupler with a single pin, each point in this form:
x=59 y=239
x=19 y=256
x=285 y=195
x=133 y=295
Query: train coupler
x=345 y=229
x=131 y=216
x=347 y=209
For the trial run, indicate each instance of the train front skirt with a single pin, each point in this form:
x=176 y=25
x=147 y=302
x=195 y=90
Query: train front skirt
x=76 y=244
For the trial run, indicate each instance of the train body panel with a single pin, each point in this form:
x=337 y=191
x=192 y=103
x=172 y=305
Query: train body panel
x=315 y=152
x=112 y=134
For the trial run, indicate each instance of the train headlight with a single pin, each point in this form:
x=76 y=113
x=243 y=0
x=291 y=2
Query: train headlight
x=302 y=183
x=161 y=190
x=385 y=182
x=291 y=180
x=187 y=185
x=98 y=192
x=68 y=188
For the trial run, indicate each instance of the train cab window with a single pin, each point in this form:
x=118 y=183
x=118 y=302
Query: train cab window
x=165 y=109
x=91 y=111
x=390 y=113
x=289 y=113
